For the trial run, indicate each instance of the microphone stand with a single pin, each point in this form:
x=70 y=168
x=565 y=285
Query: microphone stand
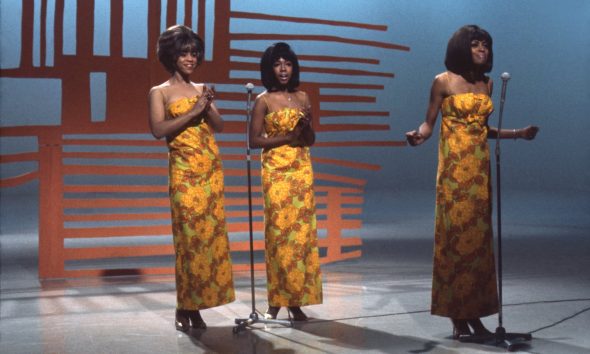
x=255 y=315
x=509 y=340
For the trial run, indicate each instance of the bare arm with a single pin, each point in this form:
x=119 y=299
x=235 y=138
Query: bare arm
x=527 y=133
x=424 y=131
x=159 y=125
x=258 y=138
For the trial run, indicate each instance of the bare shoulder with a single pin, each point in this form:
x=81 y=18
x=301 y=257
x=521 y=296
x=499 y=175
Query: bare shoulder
x=264 y=96
x=301 y=97
x=441 y=78
x=489 y=81
x=440 y=84
x=301 y=94
x=159 y=89
x=261 y=100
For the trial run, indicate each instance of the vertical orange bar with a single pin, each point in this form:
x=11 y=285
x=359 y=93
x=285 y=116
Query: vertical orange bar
x=51 y=243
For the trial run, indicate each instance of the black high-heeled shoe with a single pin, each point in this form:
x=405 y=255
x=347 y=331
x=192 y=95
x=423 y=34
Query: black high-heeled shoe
x=297 y=314
x=196 y=319
x=181 y=320
x=460 y=328
x=272 y=312
x=478 y=328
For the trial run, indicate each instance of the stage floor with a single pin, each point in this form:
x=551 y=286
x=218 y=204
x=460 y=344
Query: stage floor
x=378 y=303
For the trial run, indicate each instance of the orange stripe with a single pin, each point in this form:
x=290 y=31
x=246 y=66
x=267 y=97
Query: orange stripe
x=313 y=37
x=345 y=163
x=111 y=142
x=19 y=180
x=112 y=217
x=350 y=127
x=25 y=156
x=328 y=58
x=93 y=203
x=116 y=155
x=166 y=216
x=258 y=16
x=332 y=113
x=347 y=98
x=114 y=188
x=114 y=170
x=159 y=230
x=360 y=143
x=311 y=69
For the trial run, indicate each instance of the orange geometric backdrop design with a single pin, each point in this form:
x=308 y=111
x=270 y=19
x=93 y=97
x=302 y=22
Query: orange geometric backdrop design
x=87 y=227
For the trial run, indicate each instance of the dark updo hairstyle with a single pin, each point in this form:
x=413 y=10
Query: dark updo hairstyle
x=270 y=56
x=459 y=59
x=176 y=40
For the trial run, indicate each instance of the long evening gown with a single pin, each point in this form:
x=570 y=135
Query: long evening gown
x=203 y=265
x=292 y=256
x=464 y=275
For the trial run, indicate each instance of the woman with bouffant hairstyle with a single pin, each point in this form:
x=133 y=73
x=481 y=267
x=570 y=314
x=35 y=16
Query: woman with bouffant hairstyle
x=185 y=114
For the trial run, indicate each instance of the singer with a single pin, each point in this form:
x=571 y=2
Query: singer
x=184 y=112
x=282 y=126
x=464 y=284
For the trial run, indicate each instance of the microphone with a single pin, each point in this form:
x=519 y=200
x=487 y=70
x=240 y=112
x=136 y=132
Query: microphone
x=249 y=86
x=505 y=77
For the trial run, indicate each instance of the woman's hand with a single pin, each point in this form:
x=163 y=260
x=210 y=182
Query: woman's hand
x=529 y=132
x=204 y=102
x=304 y=130
x=414 y=138
x=294 y=134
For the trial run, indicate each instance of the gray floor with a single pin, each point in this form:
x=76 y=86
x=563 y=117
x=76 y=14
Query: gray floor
x=378 y=303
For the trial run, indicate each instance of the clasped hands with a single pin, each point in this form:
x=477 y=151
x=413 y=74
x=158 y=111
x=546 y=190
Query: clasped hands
x=207 y=97
x=204 y=101
x=303 y=123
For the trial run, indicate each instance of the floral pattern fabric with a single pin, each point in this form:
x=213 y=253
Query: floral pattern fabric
x=292 y=256
x=203 y=265
x=464 y=275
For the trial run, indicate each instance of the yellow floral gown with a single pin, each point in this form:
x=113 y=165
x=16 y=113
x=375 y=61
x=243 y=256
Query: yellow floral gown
x=464 y=275
x=203 y=263
x=292 y=256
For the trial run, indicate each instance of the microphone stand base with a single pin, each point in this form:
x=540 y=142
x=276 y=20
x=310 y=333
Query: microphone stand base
x=242 y=323
x=510 y=341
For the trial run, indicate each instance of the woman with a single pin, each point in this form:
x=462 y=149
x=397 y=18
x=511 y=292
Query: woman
x=281 y=126
x=464 y=275
x=184 y=113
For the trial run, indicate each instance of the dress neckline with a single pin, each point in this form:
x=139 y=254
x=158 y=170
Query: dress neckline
x=467 y=93
x=284 y=109
x=180 y=99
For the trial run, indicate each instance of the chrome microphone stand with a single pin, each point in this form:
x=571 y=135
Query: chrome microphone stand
x=509 y=340
x=255 y=316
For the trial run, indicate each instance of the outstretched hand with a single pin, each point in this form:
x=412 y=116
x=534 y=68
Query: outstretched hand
x=414 y=138
x=530 y=132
